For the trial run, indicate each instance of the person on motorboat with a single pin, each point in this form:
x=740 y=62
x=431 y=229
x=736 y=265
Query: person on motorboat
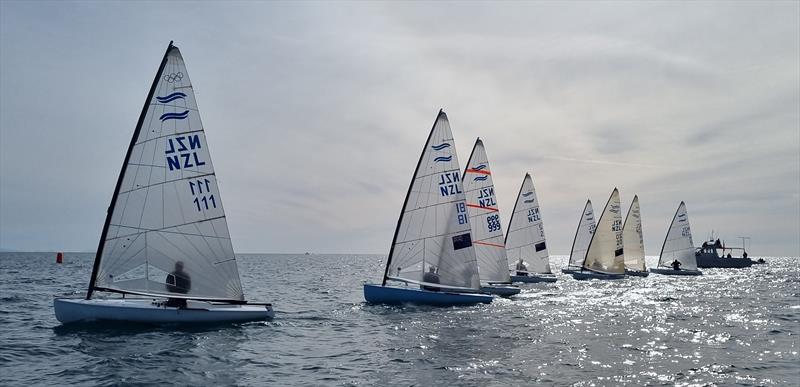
x=178 y=282
x=522 y=268
x=430 y=277
x=676 y=264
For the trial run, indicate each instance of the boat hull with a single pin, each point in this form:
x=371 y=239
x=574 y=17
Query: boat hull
x=636 y=273
x=137 y=310
x=377 y=294
x=570 y=270
x=532 y=278
x=708 y=261
x=666 y=271
x=501 y=290
x=588 y=275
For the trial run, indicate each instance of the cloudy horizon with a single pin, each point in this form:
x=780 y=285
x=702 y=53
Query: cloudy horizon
x=316 y=113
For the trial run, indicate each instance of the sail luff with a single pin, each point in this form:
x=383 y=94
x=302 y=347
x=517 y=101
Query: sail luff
x=408 y=194
x=120 y=178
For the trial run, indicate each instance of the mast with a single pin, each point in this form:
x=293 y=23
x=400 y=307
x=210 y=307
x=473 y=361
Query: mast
x=138 y=129
x=668 y=229
x=405 y=203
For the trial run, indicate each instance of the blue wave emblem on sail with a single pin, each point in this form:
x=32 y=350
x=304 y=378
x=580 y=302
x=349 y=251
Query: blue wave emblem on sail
x=526 y=194
x=174 y=116
x=171 y=97
x=480 y=167
x=528 y=201
x=440 y=146
x=443 y=158
x=481 y=178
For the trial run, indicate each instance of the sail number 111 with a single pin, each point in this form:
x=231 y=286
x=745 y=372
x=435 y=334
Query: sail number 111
x=199 y=189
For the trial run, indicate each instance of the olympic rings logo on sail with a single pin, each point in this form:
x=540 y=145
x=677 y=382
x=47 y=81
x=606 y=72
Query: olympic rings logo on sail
x=173 y=77
x=440 y=146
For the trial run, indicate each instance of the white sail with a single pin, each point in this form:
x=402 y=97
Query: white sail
x=484 y=216
x=632 y=239
x=605 y=249
x=678 y=243
x=583 y=236
x=433 y=229
x=167 y=209
x=525 y=238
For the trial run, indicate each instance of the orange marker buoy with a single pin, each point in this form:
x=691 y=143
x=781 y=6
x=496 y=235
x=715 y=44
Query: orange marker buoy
x=59 y=257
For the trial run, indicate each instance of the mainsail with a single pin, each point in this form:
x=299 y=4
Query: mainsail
x=166 y=210
x=484 y=216
x=525 y=238
x=678 y=243
x=605 y=249
x=583 y=236
x=632 y=239
x=433 y=230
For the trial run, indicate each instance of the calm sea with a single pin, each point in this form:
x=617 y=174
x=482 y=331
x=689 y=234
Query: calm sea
x=728 y=327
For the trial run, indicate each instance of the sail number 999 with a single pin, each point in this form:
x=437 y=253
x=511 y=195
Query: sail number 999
x=493 y=222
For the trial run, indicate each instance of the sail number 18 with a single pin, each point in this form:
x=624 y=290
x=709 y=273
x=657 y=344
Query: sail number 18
x=461 y=210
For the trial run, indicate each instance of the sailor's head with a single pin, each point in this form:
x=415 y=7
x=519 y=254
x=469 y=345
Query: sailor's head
x=432 y=269
x=179 y=266
x=520 y=259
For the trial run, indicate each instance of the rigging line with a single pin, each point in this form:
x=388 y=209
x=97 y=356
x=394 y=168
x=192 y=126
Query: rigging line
x=174 y=132
x=487 y=244
x=169 y=232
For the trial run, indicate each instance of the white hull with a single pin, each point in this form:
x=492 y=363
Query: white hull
x=139 y=310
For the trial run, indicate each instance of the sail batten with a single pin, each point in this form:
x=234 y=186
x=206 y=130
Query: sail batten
x=605 y=253
x=484 y=218
x=166 y=212
x=433 y=232
x=526 y=238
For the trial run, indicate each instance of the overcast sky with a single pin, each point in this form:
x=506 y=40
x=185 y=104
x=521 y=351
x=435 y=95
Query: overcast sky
x=316 y=113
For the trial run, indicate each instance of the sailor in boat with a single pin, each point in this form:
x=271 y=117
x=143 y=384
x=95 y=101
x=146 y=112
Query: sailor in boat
x=522 y=268
x=178 y=282
x=431 y=277
x=728 y=256
x=676 y=264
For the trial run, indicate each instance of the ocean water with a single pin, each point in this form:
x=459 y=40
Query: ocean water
x=728 y=327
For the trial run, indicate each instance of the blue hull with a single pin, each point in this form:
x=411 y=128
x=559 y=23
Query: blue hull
x=587 y=275
x=501 y=290
x=532 y=279
x=378 y=294
x=636 y=273
x=675 y=272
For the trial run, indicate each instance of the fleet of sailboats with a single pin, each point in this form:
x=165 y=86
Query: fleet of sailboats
x=166 y=252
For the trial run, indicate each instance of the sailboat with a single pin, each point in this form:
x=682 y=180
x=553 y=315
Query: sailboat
x=432 y=244
x=165 y=245
x=603 y=259
x=484 y=216
x=525 y=241
x=583 y=235
x=678 y=246
x=633 y=241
